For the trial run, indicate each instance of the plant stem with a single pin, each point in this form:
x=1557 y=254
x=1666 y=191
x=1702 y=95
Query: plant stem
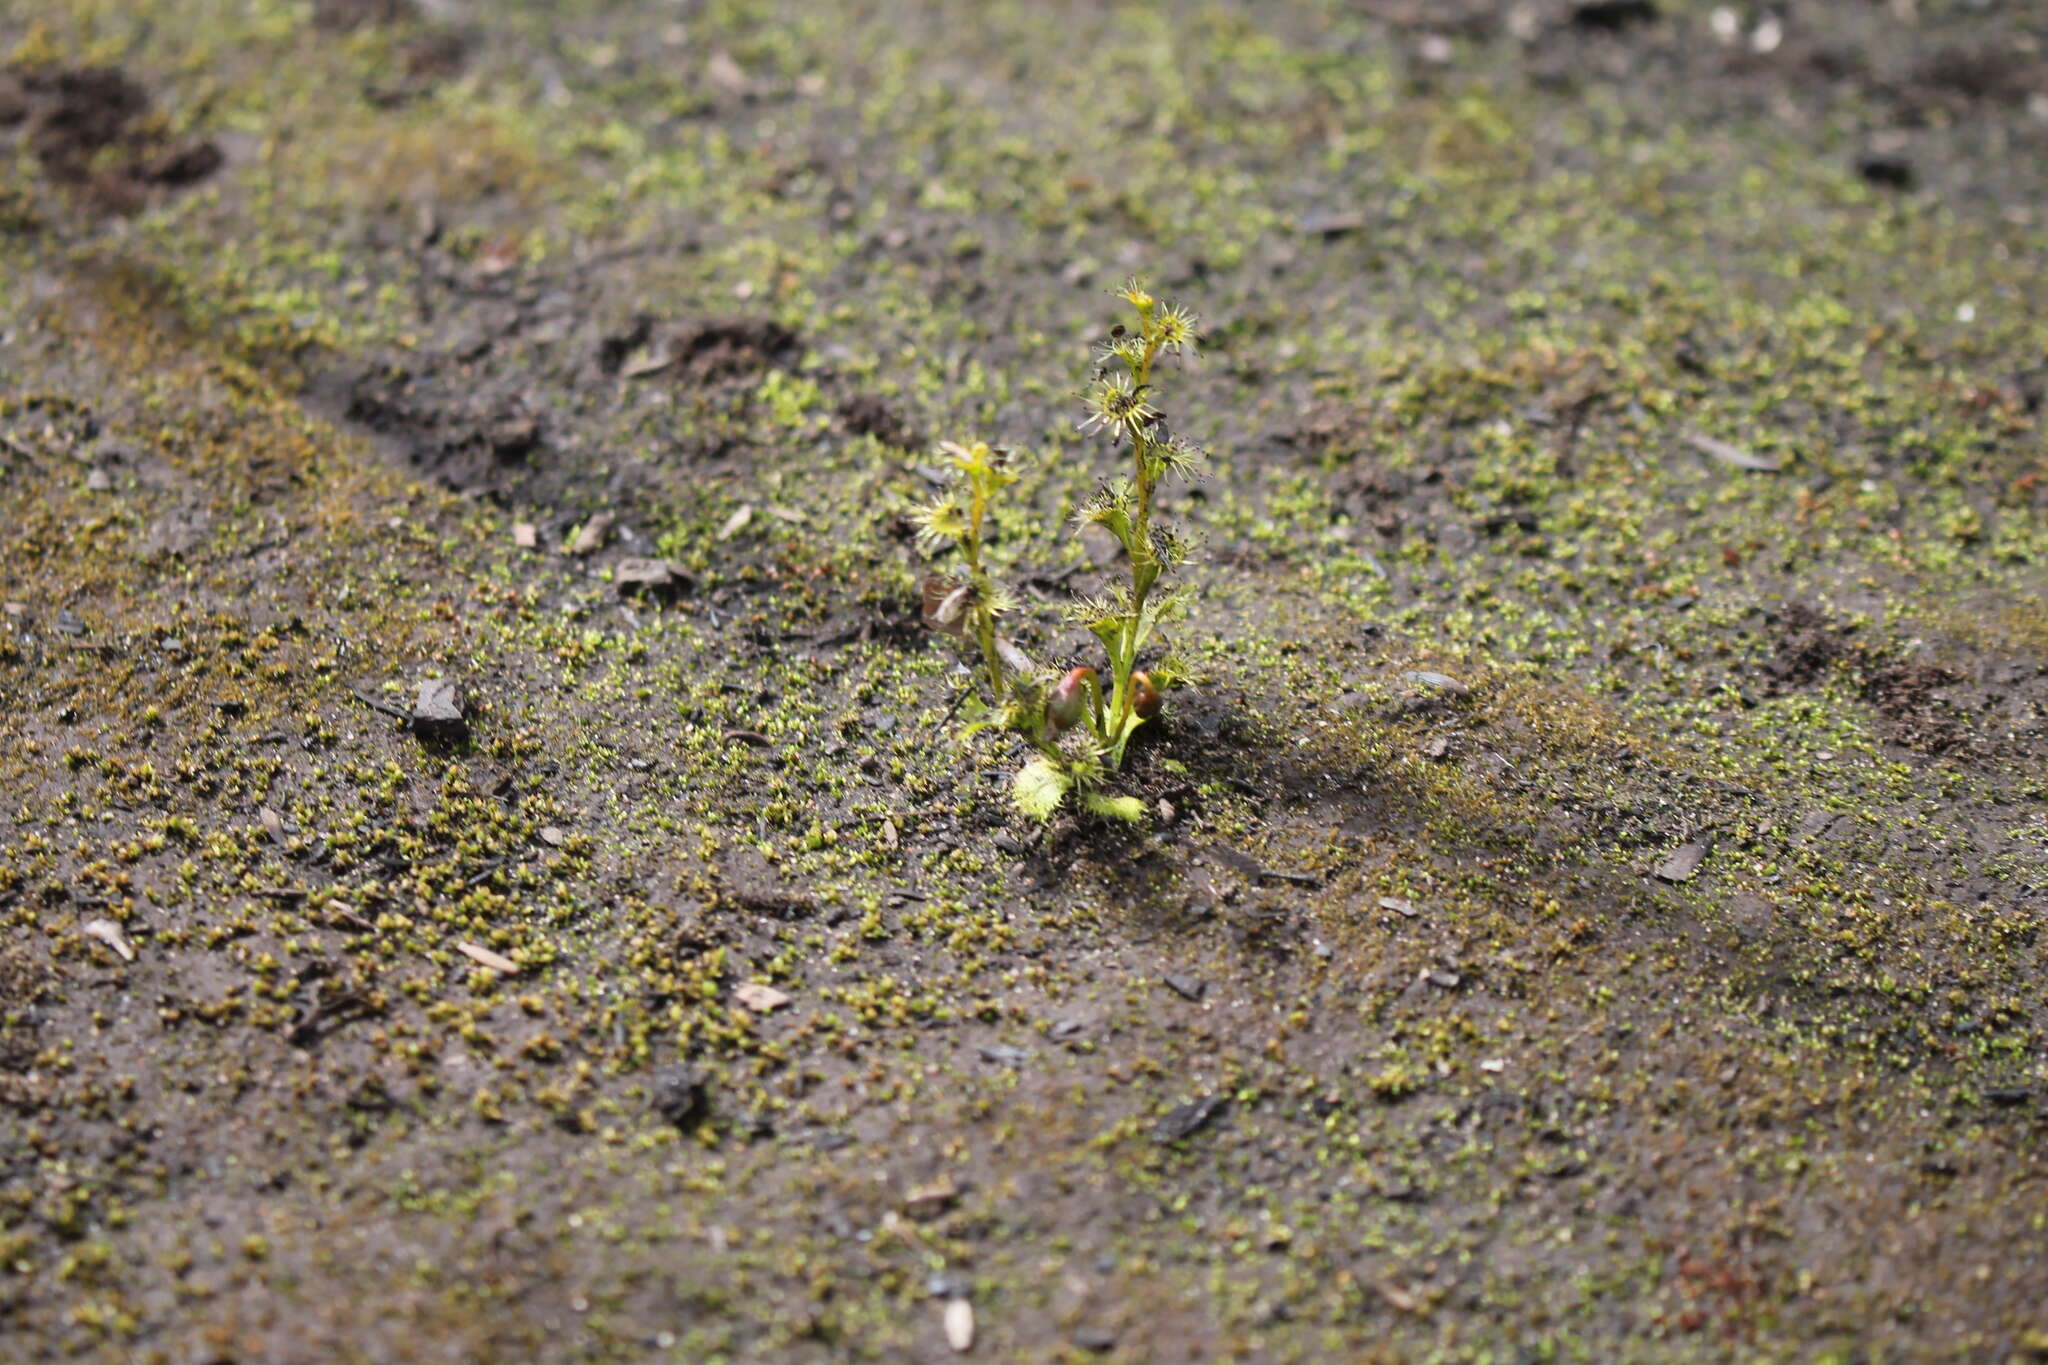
x=1121 y=700
x=979 y=591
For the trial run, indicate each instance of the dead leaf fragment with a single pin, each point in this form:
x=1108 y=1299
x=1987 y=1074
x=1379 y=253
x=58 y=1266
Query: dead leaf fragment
x=737 y=522
x=1731 y=454
x=498 y=257
x=932 y=1196
x=497 y=962
x=272 y=823
x=591 y=537
x=647 y=362
x=1682 y=864
x=960 y=1326
x=945 y=603
x=760 y=999
x=890 y=839
x=109 y=933
x=658 y=579
x=727 y=75
x=1014 y=659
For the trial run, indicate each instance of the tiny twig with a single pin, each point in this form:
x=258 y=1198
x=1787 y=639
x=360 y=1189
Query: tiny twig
x=958 y=702
x=349 y=917
x=395 y=712
x=489 y=870
x=335 y=1011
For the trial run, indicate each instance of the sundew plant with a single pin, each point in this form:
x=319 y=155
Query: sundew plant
x=1078 y=720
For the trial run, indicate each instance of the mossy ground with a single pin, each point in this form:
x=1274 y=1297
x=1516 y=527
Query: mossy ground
x=1472 y=1082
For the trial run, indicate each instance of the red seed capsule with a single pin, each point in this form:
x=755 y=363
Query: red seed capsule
x=1069 y=696
x=1145 y=698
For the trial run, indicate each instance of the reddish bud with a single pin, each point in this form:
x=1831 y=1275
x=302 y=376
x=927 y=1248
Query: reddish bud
x=1145 y=698
x=1063 y=706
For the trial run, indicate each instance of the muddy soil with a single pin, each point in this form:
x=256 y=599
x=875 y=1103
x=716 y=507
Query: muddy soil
x=1589 y=902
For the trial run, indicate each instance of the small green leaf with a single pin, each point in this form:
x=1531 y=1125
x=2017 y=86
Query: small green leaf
x=1039 y=789
x=1118 y=523
x=1110 y=632
x=1128 y=808
x=1144 y=573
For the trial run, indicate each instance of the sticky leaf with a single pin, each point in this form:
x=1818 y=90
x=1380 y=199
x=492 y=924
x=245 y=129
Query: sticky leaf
x=1039 y=788
x=1127 y=808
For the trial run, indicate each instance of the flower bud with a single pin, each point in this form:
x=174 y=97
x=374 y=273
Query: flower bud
x=1064 y=705
x=1145 y=698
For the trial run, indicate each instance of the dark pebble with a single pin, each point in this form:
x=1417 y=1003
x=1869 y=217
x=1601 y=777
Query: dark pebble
x=1186 y=1120
x=438 y=712
x=1681 y=864
x=1888 y=169
x=1612 y=15
x=678 y=1095
x=656 y=578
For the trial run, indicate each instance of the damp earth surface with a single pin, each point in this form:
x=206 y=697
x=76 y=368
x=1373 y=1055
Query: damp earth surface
x=1591 y=899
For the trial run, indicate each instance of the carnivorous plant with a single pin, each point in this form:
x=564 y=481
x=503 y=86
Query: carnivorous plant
x=1079 y=728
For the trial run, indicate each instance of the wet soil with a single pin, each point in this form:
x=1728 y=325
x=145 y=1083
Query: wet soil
x=89 y=129
x=1590 y=894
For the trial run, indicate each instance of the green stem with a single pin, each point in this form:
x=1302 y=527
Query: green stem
x=985 y=634
x=1121 y=700
x=978 y=588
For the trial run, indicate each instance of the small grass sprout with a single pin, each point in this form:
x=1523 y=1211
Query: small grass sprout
x=1078 y=721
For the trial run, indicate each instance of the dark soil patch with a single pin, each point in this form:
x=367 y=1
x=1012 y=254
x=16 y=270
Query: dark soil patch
x=1808 y=644
x=14 y=102
x=434 y=57
x=346 y=16
x=699 y=353
x=83 y=110
x=91 y=130
x=423 y=62
x=24 y=980
x=1408 y=1022
x=710 y=352
x=1913 y=716
x=467 y=441
x=746 y=882
x=866 y=415
x=1979 y=72
x=1612 y=16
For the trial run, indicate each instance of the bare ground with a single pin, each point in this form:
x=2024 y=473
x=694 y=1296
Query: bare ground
x=1591 y=902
